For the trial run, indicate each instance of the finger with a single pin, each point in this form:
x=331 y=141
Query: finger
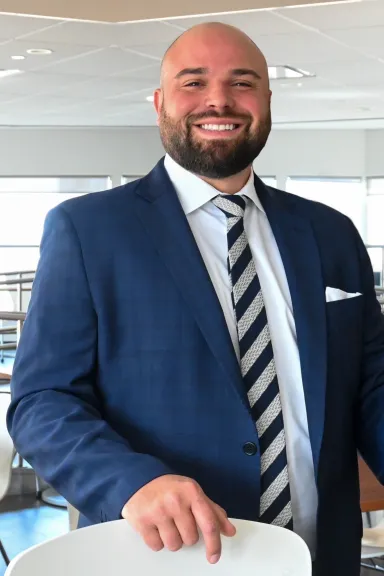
x=208 y=522
x=226 y=526
x=186 y=525
x=170 y=535
x=152 y=538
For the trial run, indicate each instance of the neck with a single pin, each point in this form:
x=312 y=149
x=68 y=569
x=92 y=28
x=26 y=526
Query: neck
x=230 y=185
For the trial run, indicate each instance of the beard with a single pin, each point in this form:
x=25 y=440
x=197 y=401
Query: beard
x=215 y=159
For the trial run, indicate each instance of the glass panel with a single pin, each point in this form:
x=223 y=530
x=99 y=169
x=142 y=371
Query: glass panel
x=375 y=219
x=376 y=256
x=56 y=184
x=127 y=179
x=269 y=180
x=345 y=195
x=18 y=259
x=23 y=215
x=375 y=186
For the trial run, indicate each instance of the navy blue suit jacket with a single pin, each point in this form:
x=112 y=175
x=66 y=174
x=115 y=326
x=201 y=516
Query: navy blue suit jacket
x=126 y=371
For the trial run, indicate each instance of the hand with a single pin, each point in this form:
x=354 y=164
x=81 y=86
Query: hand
x=168 y=511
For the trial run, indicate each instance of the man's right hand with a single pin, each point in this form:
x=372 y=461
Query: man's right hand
x=168 y=512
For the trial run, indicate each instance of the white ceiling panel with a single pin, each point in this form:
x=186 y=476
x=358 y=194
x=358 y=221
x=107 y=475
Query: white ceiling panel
x=95 y=34
x=363 y=72
x=293 y=49
x=36 y=83
x=104 y=87
x=367 y=40
x=337 y=16
x=103 y=63
x=33 y=62
x=17 y=26
x=254 y=24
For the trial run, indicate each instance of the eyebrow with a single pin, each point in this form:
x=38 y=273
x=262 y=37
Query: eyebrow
x=202 y=71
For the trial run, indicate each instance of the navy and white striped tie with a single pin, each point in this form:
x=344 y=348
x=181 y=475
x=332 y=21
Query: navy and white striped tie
x=258 y=367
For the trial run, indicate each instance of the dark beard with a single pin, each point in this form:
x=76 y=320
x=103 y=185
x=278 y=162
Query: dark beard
x=216 y=159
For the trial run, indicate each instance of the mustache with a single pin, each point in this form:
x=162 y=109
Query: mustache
x=211 y=114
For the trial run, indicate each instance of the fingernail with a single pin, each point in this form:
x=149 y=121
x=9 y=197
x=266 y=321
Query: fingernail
x=215 y=558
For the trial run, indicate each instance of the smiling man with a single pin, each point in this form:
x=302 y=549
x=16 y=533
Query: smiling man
x=201 y=346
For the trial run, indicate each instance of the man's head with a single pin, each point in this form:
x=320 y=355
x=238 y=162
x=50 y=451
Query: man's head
x=213 y=77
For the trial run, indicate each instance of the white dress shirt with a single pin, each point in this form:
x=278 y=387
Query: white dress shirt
x=209 y=227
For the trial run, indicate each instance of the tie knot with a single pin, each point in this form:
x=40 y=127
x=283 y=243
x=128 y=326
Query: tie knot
x=230 y=205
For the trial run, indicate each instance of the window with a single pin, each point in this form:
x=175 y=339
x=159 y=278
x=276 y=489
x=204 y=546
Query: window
x=269 y=180
x=375 y=227
x=127 y=179
x=347 y=195
x=375 y=211
x=24 y=204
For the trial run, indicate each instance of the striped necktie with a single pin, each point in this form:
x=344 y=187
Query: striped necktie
x=258 y=366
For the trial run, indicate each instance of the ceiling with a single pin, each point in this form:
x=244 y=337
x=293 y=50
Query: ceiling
x=118 y=11
x=100 y=74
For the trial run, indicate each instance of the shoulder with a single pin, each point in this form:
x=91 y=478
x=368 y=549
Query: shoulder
x=100 y=201
x=309 y=209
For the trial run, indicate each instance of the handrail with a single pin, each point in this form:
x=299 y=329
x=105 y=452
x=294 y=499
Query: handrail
x=16 y=316
x=16 y=281
x=18 y=272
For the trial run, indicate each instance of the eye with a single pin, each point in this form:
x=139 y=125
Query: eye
x=194 y=83
x=242 y=84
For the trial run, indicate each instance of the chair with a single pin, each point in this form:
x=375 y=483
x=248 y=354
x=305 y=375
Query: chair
x=114 y=548
x=373 y=546
x=371 y=500
x=7 y=454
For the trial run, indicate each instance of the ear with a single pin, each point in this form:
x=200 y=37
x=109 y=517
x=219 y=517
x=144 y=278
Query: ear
x=158 y=102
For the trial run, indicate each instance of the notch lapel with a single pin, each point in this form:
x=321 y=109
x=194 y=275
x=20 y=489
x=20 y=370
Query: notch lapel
x=162 y=216
x=300 y=255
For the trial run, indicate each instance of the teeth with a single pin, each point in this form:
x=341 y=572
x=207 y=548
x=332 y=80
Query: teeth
x=218 y=127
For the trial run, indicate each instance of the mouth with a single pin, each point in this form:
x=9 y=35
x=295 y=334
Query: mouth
x=219 y=130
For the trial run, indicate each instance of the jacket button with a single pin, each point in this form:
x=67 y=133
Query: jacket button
x=250 y=449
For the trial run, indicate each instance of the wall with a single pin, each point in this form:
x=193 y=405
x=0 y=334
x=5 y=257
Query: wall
x=133 y=151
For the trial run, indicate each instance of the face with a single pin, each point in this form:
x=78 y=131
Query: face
x=214 y=105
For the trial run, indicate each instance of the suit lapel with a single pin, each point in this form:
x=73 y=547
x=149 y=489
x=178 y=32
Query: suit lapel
x=162 y=216
x=300 y=254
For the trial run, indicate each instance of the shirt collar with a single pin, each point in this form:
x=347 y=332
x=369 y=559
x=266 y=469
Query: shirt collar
x=193 y=192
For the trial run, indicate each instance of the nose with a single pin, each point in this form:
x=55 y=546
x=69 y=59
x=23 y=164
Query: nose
x=219 y=97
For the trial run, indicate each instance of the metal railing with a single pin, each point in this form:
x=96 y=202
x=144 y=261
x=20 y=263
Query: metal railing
x=18 y=280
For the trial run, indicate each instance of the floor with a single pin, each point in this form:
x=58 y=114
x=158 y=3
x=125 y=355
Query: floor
x=25 y=522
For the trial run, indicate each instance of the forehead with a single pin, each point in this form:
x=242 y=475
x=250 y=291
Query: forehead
x=215 y=53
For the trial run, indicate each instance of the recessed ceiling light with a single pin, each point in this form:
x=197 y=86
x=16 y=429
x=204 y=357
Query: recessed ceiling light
x=150 y=98
x=18 y=57
x=4 y=73
x=39 y=51
x=285 y=72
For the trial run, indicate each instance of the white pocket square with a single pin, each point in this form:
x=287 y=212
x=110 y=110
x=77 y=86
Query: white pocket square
x=334 y=294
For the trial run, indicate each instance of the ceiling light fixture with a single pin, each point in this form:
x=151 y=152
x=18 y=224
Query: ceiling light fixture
x=39 y=51
x=5 y=73
x=285 y=72
x=18 y=57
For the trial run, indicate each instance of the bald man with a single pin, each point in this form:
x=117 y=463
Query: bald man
x=200 y=346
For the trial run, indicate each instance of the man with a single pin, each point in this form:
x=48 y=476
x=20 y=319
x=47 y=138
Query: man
x=200 y=346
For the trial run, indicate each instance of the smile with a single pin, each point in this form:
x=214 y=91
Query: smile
x=219 y=127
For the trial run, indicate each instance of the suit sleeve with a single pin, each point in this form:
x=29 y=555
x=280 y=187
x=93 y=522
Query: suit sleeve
x=55 y=417
x=370 y=409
